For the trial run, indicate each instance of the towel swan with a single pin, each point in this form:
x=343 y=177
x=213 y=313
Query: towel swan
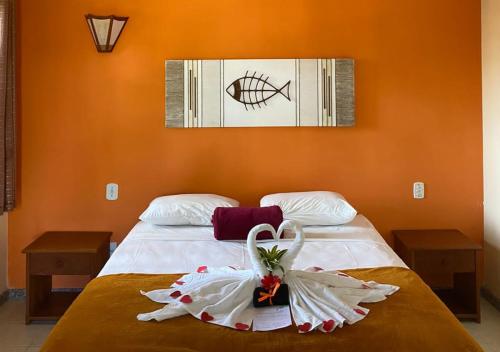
x=322 y=300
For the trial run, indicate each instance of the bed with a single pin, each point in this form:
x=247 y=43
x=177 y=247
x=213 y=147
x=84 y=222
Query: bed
x=103 y=317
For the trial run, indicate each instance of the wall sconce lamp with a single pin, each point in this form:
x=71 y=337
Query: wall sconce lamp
x=106 y=30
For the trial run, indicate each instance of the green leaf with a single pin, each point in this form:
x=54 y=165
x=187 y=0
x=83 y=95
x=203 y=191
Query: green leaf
x=270 y=258
x=281 y=254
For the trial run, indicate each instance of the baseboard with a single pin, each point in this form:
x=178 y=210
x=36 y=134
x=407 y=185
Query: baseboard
x=20 y=293
x=490 y=297
x=4 y=296
x=17 y=293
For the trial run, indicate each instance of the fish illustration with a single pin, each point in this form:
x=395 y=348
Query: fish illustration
x=253 y=91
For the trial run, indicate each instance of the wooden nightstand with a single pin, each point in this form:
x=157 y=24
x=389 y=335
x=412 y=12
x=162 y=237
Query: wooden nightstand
x=60 y=253
x=447 y=261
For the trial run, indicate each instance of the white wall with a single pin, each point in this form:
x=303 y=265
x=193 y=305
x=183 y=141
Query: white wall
x=3 y=253
x=491 y=131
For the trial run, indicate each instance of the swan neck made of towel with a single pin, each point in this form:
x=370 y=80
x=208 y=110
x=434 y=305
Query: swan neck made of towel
x=258 y=266
x=298 y=242
x=289 y=257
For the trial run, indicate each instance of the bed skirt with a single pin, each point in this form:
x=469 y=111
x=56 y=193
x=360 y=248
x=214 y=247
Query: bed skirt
x=103 y=318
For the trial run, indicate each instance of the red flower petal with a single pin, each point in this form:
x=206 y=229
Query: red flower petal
x=328 y=325
x=176 y=294
x=305 y=327
x=206 y=317
x=269 y=281
x=202 y=269
x=186 y=299
x=241 y=326
x=179 y=282
x=359 y=311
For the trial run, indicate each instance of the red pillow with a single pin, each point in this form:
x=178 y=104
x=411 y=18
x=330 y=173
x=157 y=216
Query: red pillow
x=234 y=223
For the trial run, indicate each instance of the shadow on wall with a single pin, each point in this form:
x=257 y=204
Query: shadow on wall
x=3 y=253
x=492 y=268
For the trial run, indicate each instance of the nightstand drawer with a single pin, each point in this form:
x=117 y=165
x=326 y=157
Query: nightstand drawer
x=59 y=264
x=460 y=261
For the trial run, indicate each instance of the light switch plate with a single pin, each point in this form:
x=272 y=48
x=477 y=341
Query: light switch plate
x=418 y=190
x=111 y=191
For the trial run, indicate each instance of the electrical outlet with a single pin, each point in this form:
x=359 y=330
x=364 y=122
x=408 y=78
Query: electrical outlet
x=418 y=190
x=111 y=191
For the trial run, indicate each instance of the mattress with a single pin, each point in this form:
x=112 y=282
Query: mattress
x=103 y=317
x=152 y=249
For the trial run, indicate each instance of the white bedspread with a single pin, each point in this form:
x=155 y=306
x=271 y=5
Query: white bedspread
x=152 y=249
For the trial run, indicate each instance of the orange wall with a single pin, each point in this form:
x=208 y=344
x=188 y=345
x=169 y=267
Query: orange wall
x=87 y=119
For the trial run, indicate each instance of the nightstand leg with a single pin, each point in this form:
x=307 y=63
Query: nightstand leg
x=465 y=286
x=478 y=286
x=37 y=293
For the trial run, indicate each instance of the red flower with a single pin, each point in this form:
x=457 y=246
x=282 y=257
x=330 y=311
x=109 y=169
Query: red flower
x=269 y=281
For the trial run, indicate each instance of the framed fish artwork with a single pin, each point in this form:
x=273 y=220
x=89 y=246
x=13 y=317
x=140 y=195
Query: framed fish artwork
x=259 y=93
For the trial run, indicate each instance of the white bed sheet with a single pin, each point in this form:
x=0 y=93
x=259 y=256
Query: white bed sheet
x=152 y=249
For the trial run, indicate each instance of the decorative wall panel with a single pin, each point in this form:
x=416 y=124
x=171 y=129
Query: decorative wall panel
x=252 y=93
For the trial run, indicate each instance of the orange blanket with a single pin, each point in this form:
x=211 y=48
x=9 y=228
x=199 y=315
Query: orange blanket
x=103 y=318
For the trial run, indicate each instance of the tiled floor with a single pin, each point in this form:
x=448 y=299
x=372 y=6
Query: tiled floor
x=15 y=336
x=488 y=332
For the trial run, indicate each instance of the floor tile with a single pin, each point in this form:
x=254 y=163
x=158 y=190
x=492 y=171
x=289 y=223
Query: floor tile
x=488 y=332
x=33 y=349
x=12 y=311
x=15 y=336
x=39 y=333
x=14 y=349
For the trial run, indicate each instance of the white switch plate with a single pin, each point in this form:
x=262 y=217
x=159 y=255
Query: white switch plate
x=111 y=191
x=418 y=190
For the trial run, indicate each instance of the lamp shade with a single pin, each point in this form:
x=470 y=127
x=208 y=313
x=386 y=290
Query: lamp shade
x=106 y=30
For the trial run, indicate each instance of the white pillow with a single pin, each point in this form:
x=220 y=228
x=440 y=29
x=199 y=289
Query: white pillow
x=185 y=209
x=312 y=208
